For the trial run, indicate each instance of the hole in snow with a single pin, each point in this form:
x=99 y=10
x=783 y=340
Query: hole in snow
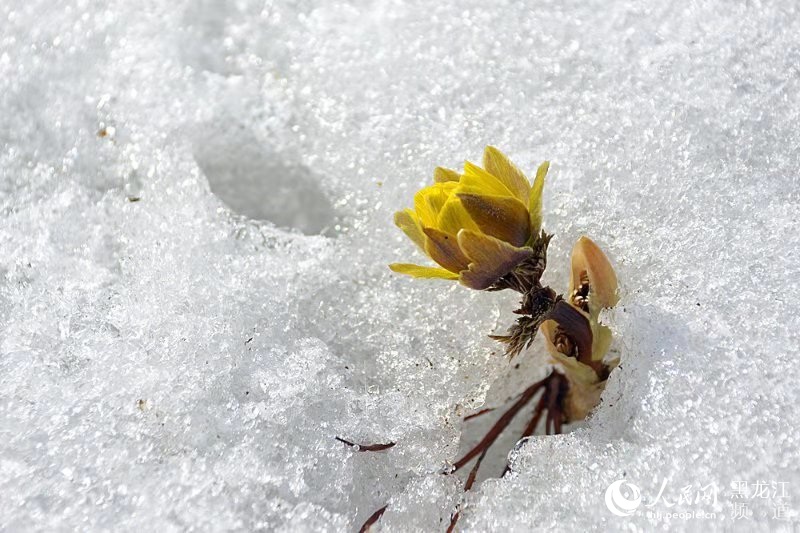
x=261 y=185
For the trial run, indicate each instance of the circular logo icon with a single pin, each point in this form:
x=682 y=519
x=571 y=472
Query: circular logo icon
x=623 y=498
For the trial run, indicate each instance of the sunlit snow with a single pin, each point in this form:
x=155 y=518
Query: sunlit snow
x=196 y=204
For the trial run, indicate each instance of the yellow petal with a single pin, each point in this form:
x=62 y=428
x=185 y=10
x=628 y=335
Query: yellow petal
x=443 y=248
x=430 y=200
x=589 y=260
x=535 y=198
x=453 y=217
x=408 y=221
x=499 y=216
x=496 y=163
x=477 y=181
x=418 y=271
x=442 y=175
x=490 y=258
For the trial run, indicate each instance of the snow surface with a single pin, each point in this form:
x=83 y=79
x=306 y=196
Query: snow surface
x=196 y=205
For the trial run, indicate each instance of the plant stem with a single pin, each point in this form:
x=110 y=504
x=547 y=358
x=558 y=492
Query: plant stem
x=500 y=425
x=374 y=517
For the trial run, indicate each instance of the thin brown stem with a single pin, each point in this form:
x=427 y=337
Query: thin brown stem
x=537 y=416
x=500 y=425
x=554 y=414
x=558 y=424
x=474 y=472
x=467 y=487
x=479 y=413
x=558 y=413
x=550 y=403
x=366 y=447
x=453 y=521
x=374 y=517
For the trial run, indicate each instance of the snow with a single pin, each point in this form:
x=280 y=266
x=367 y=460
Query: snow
x=196 y=207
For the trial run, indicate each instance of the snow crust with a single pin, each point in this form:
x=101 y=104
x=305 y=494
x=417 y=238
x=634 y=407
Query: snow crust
x=196 y=207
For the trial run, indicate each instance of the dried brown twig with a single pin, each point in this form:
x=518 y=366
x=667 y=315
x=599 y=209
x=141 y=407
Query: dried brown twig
x=374 y=517
x=366 y=447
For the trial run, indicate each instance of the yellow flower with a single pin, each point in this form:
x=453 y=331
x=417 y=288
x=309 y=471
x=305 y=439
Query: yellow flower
x=573 y=334
x=479 y=225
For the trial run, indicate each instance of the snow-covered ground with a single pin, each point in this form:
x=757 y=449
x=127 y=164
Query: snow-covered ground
x=196 y=205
